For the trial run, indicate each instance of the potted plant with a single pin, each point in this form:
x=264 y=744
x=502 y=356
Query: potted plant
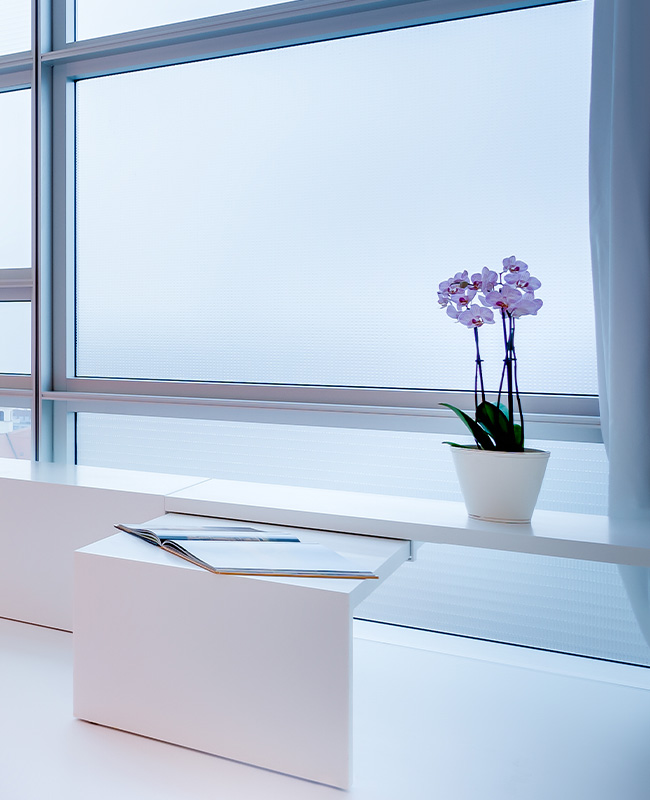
x=499 y=477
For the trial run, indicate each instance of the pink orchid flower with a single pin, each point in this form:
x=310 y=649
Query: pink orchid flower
x=505 y=299
x=476 y=316
x=523 y=280
x=484 y=281
x=527 y=305
x=461 y=278
x=511 y=264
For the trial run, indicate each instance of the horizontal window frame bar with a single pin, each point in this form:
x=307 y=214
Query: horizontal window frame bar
x=16 y=278
x=433 y=420
x=15 y=294
x=16 y=63
x=19 y=385
x=397 y=400
x=257 y=29
x=15 y=81
x=16 y=285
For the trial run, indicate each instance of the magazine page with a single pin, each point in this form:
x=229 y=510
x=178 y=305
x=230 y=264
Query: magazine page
x=209 y=533
x=264 y=558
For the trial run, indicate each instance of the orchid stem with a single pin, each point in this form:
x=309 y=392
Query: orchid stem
x=514 y=361
x=508 y=338
x=478 y=376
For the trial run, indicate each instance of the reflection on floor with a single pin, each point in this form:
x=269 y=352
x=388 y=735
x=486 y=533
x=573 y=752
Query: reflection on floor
x=456 y=725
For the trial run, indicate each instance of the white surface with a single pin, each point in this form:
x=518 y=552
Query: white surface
x=555 y=533
x=49 y=511
x=428 y=726
x=122 y=480
x=255 y=669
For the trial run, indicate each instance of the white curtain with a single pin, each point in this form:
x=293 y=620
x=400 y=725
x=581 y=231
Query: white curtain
x=620 y=241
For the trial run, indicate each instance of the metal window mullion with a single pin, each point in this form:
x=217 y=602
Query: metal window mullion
x=41 y=232
x=60 y=317
x=62 y=23
x=63 y=232
x=36 y=227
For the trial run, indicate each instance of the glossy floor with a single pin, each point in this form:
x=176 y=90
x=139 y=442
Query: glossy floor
x=477 y=722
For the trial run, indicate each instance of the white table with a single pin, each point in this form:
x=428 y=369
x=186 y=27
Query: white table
x=251 y=668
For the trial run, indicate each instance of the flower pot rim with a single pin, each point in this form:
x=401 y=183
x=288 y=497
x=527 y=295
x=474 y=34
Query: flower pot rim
x=527 y=451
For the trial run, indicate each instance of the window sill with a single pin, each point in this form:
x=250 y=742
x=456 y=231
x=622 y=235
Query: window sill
x=552 y=533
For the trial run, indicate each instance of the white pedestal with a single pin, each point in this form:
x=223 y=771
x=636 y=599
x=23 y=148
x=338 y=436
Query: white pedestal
x=253 y=669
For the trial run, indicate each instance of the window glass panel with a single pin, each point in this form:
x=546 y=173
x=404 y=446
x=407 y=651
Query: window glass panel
x=15 y=432
x=15 y=338
x=558 y=604
x=99 y=18
x=15 y=18
x=286 y=216
x=15 y=169
x=383 y=462
x=566 y=605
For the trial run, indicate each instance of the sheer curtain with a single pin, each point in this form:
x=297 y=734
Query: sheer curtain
x=620 y=240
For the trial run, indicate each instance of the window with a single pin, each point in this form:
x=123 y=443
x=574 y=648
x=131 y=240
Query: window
x=285 y=217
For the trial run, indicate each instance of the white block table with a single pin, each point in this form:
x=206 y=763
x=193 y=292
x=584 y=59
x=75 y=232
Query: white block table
x=250 y=668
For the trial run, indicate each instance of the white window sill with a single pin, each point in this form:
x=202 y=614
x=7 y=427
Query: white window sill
x=552 y=533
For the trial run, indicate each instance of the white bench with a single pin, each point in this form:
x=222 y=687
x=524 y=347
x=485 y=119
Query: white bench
x=254 y=669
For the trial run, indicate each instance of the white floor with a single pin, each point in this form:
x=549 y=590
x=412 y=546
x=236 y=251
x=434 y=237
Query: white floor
x=456 y=725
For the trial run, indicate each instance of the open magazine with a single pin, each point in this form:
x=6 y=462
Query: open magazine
x=159 y=534
x=235 y=550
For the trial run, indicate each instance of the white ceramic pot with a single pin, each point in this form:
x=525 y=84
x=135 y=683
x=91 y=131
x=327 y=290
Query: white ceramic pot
x=499 y=486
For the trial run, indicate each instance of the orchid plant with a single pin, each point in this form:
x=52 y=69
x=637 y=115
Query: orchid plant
x=509 y=294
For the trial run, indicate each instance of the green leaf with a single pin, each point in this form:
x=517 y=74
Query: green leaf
x=495 y=422
x=519 y=436
x=463 y=446
x=482 y=439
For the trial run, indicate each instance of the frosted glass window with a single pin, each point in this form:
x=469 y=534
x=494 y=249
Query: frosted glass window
x=101 y=18
x=15 y=338
x=15 y=169
x=15 y=18
x=569 y=606
x=384 y=462
x=286 y=216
